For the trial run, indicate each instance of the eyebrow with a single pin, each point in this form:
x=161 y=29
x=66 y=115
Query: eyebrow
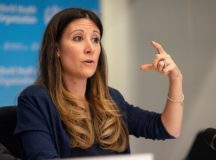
x=77 y=30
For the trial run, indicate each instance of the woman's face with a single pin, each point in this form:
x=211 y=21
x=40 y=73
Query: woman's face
x=79 y=49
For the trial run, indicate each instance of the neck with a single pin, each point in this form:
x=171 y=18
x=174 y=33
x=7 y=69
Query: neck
x=76 y=87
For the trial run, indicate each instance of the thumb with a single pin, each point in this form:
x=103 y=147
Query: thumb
x=147 y=67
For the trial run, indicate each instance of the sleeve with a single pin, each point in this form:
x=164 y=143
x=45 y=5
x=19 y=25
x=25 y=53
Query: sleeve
x=33 y=129
x=142 y=123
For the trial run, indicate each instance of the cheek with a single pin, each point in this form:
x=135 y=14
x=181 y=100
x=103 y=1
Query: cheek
x=98 y=52
x=68 y=57
x=69 y=52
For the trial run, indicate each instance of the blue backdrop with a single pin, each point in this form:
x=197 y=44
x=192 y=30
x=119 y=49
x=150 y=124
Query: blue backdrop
x=22 y=23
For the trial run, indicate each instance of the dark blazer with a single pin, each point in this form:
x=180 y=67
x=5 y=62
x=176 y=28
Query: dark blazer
x=43 y=136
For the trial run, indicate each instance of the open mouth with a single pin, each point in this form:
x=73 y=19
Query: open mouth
x=89 y=61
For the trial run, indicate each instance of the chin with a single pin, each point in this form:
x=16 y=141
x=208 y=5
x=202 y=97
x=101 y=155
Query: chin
x=89 y=74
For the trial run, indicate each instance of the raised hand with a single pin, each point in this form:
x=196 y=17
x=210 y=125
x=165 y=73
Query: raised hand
x=162 y=63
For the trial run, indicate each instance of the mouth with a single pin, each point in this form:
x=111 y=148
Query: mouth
x=88 y=61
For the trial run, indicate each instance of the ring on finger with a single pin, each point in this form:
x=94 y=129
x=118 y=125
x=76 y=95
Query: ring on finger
x=165 y=63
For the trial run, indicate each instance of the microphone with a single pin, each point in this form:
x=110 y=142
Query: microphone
x=210 y=137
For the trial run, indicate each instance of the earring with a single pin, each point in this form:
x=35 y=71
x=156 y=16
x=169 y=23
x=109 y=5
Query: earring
x=58 y=55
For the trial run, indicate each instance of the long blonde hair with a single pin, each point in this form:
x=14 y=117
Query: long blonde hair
x=95 y=119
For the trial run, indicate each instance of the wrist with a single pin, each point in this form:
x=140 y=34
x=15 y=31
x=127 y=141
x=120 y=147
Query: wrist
x=176 y=77
x=179 y=99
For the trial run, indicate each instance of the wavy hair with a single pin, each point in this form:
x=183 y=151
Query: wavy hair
x=95 y=118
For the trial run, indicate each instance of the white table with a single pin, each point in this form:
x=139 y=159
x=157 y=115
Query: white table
x=145 y=156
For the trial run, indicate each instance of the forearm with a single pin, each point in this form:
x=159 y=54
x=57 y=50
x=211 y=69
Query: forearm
x=173 y=112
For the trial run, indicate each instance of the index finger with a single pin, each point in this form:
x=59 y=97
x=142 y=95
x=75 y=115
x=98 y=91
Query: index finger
x=157 y=46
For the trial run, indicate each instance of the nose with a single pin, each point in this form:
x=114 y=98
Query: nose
x=89 y=47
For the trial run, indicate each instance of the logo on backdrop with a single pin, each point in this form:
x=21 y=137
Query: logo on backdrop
x=17 y=14
x=49 y=12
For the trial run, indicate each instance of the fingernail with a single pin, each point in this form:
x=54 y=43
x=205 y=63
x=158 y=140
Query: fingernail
x=153 y=42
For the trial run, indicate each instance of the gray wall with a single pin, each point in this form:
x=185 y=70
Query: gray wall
x=186 y=29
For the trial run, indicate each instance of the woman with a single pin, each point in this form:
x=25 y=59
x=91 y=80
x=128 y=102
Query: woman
x=71 y=112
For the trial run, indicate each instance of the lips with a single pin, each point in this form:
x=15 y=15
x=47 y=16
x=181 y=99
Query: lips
x=88 y=61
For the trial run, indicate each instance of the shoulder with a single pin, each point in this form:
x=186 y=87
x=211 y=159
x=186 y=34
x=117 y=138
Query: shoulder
x=35 y=101
x=118 y=99
x=34 y=90
x=35 y=96
x=115 y=94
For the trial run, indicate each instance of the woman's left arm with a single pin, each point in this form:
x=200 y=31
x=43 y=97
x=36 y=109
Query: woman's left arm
x=173 y=112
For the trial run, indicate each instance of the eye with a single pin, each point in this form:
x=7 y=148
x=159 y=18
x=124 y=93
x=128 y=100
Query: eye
x=96 y=40
x=77 y=38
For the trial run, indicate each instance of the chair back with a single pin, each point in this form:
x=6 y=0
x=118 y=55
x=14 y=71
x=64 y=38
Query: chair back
x=7 y=127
